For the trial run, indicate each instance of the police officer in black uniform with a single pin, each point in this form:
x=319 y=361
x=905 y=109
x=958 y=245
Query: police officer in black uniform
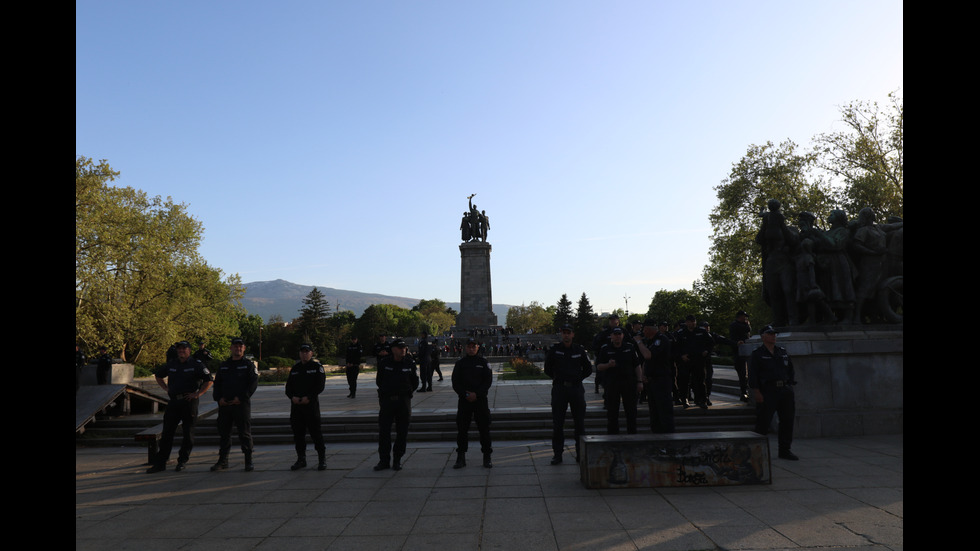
x=623 y=375
x=597 y=342
x=471 y=380
x=381 y=349
x=691 y=352
x=303 y=387
x=352 y=359
x=771 y=378
x=184 y=380
x=397 y=380
x=434 y=355
x=103 y=371
x=202 y=354
x=234 y=383
x=568 y=365
x=739 y=331
x=658 y=377
x=709 y=368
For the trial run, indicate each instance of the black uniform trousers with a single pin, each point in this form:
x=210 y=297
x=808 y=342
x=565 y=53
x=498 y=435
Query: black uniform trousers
x=352 y=372
x=691 y=376
x=183 y=413
x=741 y=369
x=781 y=400
x=563 y=397
x=305 y=418
x=395 y=409
x=659 y=391
x=620 y=389
x=465 y=413
x=425 y=372
x=241 y=416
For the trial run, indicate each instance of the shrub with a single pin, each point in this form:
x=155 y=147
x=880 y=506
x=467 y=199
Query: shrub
x=525 y=368
x=275 y=375
x=277 y=361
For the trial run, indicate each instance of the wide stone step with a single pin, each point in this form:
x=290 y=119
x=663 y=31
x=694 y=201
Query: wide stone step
x=434 y=427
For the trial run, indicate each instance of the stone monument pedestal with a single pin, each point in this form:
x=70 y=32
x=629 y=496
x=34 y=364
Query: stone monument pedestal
x=849 y=382
x=476 y=299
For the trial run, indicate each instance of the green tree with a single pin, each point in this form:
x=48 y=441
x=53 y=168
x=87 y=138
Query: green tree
x=313 y=322
x=278 y=339
x=868 y=156
x=438 y=316
x=389 y=319
x=249 y=329
x=563 y=313
x=671 y=306
x=732 y=279
x=340 y=326
x=140 y=283
x=586 y=325
x=534 y=317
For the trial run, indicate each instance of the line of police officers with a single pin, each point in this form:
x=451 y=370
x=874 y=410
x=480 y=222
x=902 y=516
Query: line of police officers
x=628 y=367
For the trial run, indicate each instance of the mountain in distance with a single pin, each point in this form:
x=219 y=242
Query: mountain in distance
x=268 y=298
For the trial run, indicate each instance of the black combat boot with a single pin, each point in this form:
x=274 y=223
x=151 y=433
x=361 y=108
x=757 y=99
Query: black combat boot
x=299 y=464
x=221 y=464
x=322 y=457
x=486 y=461
x=460 y=460
x=249 y=466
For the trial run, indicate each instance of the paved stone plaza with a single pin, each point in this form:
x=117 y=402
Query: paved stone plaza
x=844 y=493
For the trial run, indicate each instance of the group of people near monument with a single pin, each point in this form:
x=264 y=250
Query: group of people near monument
x=651 y=365
x=185 y=379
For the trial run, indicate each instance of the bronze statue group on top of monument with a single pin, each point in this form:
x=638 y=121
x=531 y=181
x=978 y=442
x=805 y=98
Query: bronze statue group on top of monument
x=850 y=273
x=475 y=223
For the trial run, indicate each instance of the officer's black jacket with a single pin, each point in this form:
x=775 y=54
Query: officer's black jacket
x=354 y=351
x=626 y=361
x=183 y=377
x=567 y=364
x=397 y=378
x=472 y=373
x=693 y=343
x=768 y=367
x=306 y=379
x=235 y=378
x=660 y=362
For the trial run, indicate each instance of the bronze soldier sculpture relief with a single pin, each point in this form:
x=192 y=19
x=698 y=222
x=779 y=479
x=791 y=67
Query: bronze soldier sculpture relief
x=850 y=273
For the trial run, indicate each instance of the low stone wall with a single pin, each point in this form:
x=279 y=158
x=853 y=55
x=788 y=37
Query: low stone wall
x=122 y=374
x=675 y=460
x=850 y=382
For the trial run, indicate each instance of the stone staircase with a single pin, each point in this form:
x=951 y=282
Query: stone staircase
x=727 y=414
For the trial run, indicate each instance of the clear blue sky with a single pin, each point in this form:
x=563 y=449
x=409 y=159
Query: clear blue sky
x=334 y=143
